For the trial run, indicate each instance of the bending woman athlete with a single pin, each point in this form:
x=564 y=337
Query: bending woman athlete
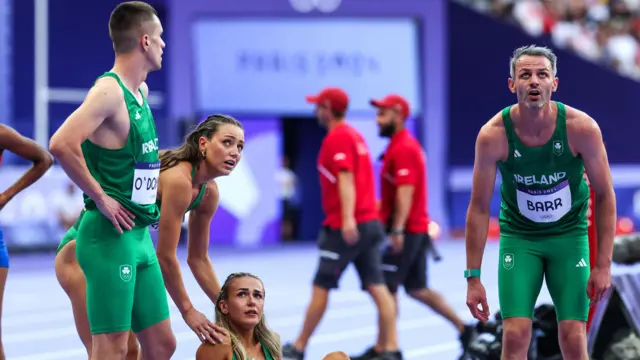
x=27 y=149
x=213 y=149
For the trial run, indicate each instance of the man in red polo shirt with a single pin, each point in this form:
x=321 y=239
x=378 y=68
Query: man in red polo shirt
x=403 y=211
x=351 y=229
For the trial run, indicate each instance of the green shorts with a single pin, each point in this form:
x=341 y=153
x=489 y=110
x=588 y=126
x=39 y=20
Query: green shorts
x=562 y=262
x=125 y=288
x=70 y=235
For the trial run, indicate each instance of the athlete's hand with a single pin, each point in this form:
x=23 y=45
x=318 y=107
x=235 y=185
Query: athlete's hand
x=222 y=334
x=205 y=329
x=116 y=213
x=350 y=231
x=476 y=296
x=598 y=284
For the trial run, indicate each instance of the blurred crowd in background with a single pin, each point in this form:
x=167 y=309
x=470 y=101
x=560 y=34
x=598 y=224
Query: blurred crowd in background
x=604 y=31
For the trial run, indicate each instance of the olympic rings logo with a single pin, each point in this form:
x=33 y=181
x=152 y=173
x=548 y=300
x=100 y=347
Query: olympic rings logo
x=325 y=6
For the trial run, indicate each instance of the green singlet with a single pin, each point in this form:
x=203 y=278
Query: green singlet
x=125 y=288
x=543 y=225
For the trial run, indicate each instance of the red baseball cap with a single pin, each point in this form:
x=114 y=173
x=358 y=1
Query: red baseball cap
x=337 y=97
x=393 y=101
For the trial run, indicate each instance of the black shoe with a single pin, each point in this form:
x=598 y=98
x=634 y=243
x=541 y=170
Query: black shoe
x=467 y=336
x=369 y=354
x=289 y=352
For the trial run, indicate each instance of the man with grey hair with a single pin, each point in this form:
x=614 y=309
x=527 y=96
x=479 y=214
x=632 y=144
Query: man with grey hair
x=542 y=148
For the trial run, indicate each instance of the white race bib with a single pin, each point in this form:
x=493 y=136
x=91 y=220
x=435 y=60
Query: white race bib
x=544 y=205
x=145 y=183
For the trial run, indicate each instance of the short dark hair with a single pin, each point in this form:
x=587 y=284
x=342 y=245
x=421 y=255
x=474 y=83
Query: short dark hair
x=125 y=23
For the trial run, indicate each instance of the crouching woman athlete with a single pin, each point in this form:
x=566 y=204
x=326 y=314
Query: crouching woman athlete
x=186 y=183
x=240 y=310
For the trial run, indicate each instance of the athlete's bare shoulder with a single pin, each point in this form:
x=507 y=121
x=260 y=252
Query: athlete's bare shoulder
x=494 y=128
x=582 y=130
x=145 y=89
x=175 y=187
x=209 y=202
x=491 y=147
x=106 y=92
x=213 y=190
x=492 y=139
x=579 y=121
x=103 y=101
x=178 y=175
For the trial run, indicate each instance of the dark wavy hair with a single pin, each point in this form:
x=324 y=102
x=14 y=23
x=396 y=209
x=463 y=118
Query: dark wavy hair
x=189 y=150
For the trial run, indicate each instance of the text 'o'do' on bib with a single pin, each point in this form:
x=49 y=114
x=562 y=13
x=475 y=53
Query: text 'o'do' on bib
x=145 y=183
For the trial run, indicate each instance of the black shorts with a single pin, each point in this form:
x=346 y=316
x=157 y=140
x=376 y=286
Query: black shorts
x=335 y=255
x=408 y=268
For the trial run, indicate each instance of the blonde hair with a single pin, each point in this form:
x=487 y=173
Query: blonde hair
x=262 y=333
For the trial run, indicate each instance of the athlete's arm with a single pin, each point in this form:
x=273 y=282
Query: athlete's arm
x=405 y=179
x=29 y=150
x=101 y=103
x=587 y=141
x=176 y=197
x=487 y=155
x=198 y=245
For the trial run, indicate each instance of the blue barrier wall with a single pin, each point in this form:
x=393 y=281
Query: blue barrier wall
x=479 y=69
x=79 y=51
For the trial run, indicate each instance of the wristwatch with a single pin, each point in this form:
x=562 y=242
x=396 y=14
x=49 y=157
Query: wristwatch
x=397 y=231
x=471 y=273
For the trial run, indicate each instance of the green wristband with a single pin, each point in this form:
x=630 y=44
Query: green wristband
x=471 y=273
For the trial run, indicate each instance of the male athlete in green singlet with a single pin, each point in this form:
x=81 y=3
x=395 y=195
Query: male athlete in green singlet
x=186 y=184
x=108 y=147
x=542 y=148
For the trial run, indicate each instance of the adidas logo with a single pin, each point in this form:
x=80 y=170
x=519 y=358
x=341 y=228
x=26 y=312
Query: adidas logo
x=582 y=263
x=516 y=153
